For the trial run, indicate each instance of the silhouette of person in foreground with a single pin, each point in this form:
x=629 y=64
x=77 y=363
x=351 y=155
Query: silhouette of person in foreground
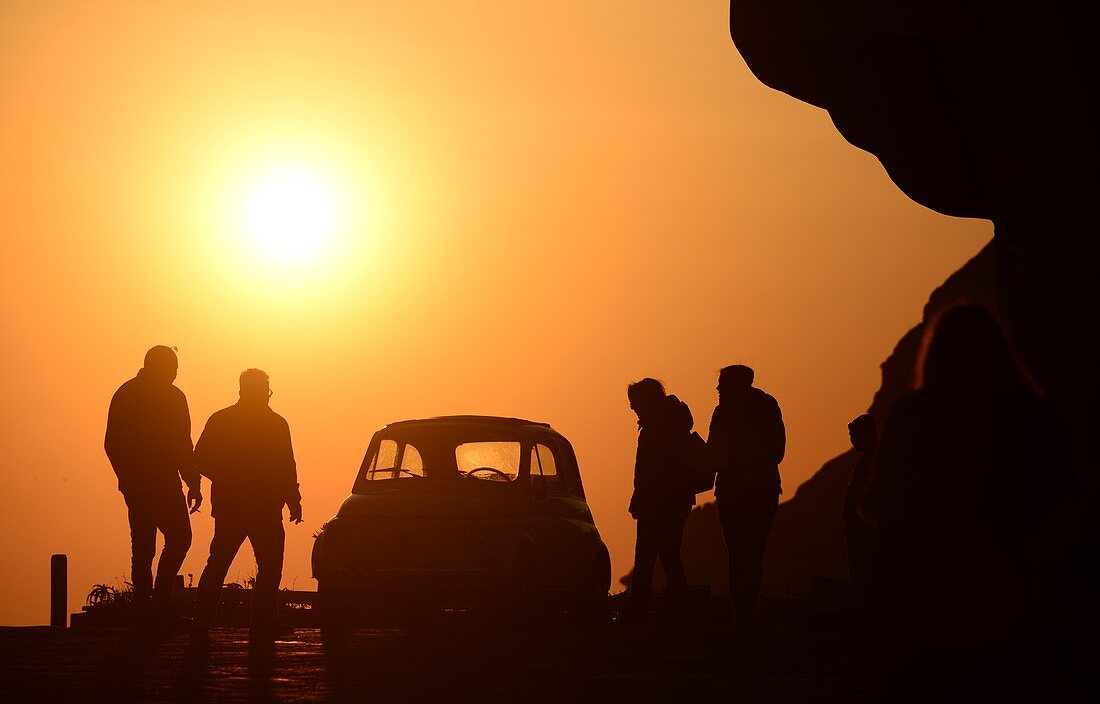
x=245 y=451
x=857 y=529
x=969 y=467
x=662 y=498
x=747 y=440
x=148 y=442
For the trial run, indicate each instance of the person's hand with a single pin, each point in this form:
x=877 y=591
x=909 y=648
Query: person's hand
x=296 y=513
x=194 y=499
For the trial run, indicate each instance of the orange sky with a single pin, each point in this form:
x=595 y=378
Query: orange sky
x=540 y=203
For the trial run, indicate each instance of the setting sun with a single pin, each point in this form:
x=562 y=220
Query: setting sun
x=291 y=214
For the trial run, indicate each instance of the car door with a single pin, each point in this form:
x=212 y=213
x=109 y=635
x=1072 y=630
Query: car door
x=557 y=520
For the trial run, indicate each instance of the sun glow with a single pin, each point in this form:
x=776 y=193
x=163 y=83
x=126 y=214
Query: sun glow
x=292 y=214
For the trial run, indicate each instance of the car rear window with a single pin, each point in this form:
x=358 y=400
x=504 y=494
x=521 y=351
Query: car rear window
x=493 y=461
x=448 y=454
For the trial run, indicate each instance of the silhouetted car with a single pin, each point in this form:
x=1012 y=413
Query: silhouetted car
x=463 y=506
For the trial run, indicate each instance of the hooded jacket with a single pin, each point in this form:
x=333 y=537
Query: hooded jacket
x=748 y=440
x=662 y=481
x=148 y=438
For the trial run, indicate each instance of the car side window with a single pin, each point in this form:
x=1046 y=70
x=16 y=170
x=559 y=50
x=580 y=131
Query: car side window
x=384 y=462
x=411 y=462
x=544 y=468
x=571 y=478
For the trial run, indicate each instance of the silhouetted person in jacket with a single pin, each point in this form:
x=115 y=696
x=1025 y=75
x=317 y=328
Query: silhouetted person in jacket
x=857 y=530
x=747 y=440
x=246 y=453
x=662 y=497
x=148 y=442
x=969 y=468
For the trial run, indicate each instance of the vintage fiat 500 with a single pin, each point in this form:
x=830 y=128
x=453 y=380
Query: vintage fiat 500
x=463 y=506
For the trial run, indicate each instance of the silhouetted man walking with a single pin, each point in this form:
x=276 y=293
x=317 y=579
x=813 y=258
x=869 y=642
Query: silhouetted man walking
x=748 y=440
x=662 y=497
x=246 y=452
x=148 y=442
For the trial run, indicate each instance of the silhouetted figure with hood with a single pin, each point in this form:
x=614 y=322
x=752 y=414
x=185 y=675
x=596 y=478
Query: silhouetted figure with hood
x=863 y=433
x=662 y=497
x=747 y=441
x=969 y=467
x=148 y=442
x=245 y=451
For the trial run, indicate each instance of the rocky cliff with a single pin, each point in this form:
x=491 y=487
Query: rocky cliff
x=975 y=108
x=982 y=109
x=806 y=539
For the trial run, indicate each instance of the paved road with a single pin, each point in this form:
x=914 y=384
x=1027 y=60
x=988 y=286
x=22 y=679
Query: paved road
x=444 y=662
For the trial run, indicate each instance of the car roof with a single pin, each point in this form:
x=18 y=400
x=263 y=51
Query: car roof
x=487 y=421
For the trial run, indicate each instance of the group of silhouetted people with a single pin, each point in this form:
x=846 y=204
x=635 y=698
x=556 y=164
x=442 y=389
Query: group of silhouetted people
x=740 y=460
x=245 y=451
x=943 y=519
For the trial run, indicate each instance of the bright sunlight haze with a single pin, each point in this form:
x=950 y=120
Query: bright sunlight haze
x=395 y=219
x=291 y=214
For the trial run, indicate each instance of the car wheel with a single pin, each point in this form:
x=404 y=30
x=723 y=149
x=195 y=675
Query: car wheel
x=591 y=611
x=521 y=604
x=333 y=607
x=602 y=569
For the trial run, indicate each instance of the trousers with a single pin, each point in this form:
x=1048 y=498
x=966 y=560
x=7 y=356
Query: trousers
x=149 y=512
x=746 y=514
x=659 y=537
x=267 y=537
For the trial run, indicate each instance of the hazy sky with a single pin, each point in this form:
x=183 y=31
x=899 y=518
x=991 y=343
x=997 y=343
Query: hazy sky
x=528 y=205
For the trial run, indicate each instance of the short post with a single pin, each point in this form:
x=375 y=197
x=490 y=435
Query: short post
x=59 y=591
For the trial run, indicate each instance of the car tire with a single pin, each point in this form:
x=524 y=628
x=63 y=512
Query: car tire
x=591 y=612
x=333 y=607
x=521 y=606
x=602 y=569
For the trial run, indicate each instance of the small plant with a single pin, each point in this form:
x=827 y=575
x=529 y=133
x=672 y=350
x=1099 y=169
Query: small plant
x=106 y=595
x=100 y=595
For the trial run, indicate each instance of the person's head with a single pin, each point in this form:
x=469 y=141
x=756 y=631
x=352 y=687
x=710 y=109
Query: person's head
x=967 y=351
x=161 y=364
x=862 y=431
x=645 y=396
x=255 y=386
x=734 y=379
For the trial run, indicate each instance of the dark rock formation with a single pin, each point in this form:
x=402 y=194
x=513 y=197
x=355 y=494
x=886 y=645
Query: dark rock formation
x=978 y=109
x=806 y=540
x=975 y=108
x=984 y=109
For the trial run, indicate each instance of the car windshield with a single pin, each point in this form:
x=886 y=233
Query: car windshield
x=446 y=453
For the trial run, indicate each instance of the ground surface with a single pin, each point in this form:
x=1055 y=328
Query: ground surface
x=441 y=662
